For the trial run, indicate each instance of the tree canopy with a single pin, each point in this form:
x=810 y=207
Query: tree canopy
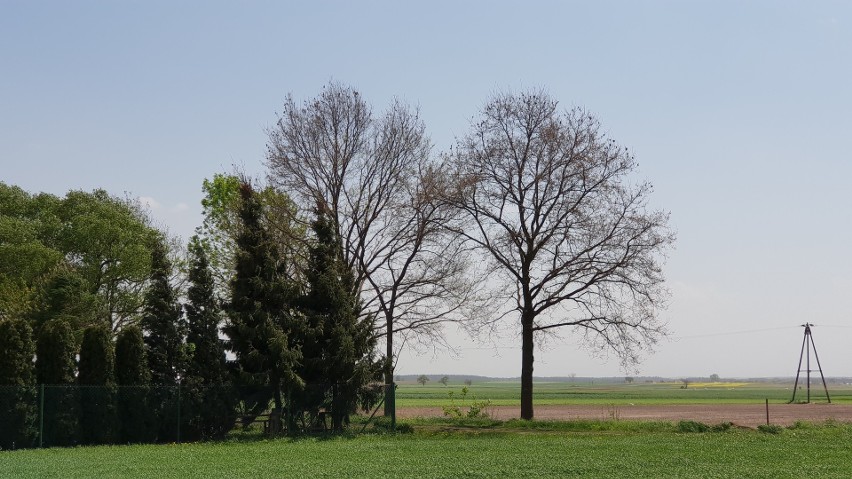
x=221 y=226
x=550 y=202
x=92 y=243
x=374 y=174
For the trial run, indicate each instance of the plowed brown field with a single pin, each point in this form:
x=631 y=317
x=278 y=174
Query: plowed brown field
x=739 y=414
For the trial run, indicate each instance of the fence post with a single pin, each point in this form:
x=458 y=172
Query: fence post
x=178 y=411
x=767 y=411
x=390 y=398
x=291 y=422
x=41 y=416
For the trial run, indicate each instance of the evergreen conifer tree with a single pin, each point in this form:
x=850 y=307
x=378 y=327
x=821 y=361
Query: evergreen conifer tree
x=97 y=380
x=162 y=320
x=17 y=385
x=207 y=392
x=339 y=350
x=262 y=328
x=55 y=368
x=133 y=379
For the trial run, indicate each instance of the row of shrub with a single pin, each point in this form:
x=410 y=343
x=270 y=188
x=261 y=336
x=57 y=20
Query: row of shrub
x=104 y=397
x=601 y=425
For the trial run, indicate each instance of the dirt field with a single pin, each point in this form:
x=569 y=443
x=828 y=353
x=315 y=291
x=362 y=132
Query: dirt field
x=739 y=414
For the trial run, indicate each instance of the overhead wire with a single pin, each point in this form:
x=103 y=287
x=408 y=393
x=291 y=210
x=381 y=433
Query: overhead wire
x=691 y=336
x=735 y=333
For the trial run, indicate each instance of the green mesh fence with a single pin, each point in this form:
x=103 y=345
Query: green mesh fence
x=70 y=415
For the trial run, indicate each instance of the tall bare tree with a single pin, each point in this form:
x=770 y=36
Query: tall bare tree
x=375 y=176
x=548 y=199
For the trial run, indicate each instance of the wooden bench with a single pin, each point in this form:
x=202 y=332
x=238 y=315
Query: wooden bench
x=271 y=421
x=320 y=423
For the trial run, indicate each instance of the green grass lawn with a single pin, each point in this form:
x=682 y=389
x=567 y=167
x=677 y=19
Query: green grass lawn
x=542 y=451
x=566 y=393
x=441 y=447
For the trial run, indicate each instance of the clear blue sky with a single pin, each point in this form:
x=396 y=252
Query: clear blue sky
x=740 y=113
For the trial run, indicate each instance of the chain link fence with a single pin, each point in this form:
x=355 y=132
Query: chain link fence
x=69 y=415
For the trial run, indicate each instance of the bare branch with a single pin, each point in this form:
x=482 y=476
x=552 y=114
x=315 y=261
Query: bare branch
x=378 y=181
x=547 y=197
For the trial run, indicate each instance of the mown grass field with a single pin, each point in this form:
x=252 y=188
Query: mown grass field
x=566 y=393
x=510 y=450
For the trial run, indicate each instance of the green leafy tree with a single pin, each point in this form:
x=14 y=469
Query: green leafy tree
x=103 y=239
x=339 y=351
x=16 y=297
x=261 y=317
x=165 y=331
x=65 y=294
x=444 y=380
x=207 y=390
x=17 y=385
x=133 y=379
x=423 y=379
x=218 y=232
x=109 y=241
x=96 y=377
x=24 y=257
x=55 y=368
x=222 y=224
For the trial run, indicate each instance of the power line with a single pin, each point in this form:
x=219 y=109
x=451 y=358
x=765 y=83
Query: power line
x=735 y=333
x=678 y=338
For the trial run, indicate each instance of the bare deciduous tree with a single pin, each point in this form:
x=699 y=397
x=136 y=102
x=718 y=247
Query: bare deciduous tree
x=376 y=177
x=547 y=197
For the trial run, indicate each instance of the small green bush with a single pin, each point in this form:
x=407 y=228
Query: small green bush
x=383 y=425
x=590 y=425
x=721 y=427
x=692 y=426
x=802 y=425
x=477 y=409
x=452 y=422
x=770 y=428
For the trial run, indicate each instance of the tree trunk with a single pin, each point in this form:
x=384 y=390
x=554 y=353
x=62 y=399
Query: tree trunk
x=337 y=409
x=275 y=416
x=275 y=383
x=527 y=365
x=389 y=403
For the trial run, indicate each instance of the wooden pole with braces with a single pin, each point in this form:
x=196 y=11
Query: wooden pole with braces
x=807 y=344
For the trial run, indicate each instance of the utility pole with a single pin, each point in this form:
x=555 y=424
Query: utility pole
x=807 y=345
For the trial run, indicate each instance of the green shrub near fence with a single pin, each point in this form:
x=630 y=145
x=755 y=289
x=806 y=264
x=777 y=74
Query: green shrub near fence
x=48 y=415
x=52 y=415
x=17 y=385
